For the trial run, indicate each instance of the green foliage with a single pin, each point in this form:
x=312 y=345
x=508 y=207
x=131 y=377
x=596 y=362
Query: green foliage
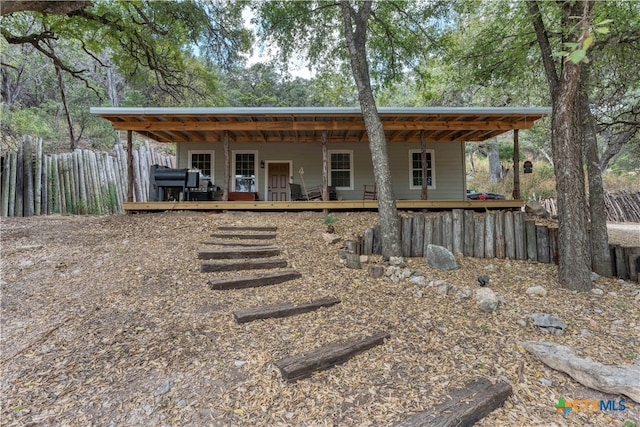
x=131 y=52
x=80 y=207
x=505 y=152
x=28 y=121
x=396 y=37
x=110 y=197
x=330 y=219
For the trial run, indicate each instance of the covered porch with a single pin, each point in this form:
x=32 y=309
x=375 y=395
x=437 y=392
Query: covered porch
x=421 y=142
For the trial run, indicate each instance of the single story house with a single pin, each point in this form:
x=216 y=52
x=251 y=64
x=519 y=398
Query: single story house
x=270 y=151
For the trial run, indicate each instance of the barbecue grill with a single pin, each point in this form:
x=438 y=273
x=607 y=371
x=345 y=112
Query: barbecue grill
x=168 y=184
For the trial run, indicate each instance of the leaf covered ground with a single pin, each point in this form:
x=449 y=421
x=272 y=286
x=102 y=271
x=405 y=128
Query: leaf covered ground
x=108 y=321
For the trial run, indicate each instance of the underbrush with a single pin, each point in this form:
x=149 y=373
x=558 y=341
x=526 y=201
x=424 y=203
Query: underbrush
x=540 y=184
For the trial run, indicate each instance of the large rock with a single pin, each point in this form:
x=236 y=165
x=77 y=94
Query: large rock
x=441 y=258
x=535 y=208
x=487 y=300
x=537 y=290
x=613 y=379
x=548 y=323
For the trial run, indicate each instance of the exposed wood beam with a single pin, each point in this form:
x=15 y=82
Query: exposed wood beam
x=355 y=125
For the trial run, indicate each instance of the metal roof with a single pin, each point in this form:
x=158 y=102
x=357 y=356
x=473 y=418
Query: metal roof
x=306 y=124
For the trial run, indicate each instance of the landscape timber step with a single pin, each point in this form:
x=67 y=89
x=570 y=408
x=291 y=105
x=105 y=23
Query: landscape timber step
x=303 y=365
x=244 y=236
x=281 y=310
x=238 y=244
x=464 y=406
x=239 y=253
x=249 y=228
x=253 y=281
x=245 y=264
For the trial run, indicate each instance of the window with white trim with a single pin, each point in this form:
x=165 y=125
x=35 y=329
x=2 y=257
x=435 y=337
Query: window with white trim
x=341 y=169
x=415 y=169
x=202 y=160
x=244 y=171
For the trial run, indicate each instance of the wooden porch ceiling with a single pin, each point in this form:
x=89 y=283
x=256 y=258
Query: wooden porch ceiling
x=298 y=125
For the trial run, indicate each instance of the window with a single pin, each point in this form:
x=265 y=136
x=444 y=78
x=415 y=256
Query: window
x=203 y=161
x=415 y=169
x=244 y=171
x=341 y=170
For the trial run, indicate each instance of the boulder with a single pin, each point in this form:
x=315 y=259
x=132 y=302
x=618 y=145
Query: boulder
x=441 y=258
x=487 y=300
x=613 y=379
x=397 y=261
x=445 y=288
x=548 y=323
x=376 y=271
x=535 y=208
x=464 y=293
x=419 y=281
x=537 y=290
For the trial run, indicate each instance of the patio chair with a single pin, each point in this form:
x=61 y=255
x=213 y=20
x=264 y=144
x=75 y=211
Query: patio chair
x=370 y=192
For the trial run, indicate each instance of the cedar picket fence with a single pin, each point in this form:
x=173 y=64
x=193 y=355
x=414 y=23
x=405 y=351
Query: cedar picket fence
x=621 y=206
x=493 y=234
x=78 y=182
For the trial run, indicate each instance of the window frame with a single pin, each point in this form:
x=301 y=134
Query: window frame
x=234 y=168
x=430 y=152
x=351 y=172
x=212 y=153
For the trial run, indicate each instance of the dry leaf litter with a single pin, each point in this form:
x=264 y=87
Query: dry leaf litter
x=107 y=320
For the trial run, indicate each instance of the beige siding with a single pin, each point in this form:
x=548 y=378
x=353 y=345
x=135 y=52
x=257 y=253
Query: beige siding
x=448 y=164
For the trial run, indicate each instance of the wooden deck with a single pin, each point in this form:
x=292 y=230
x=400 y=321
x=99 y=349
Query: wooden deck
x=334 y=205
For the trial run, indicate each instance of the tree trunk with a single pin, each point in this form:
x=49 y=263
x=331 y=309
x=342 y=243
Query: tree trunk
x=614 y=145
x=356 y=42
x=566 y=141
x=471 y=163
x=495 y=171
x=63 y=96
x=600 y=253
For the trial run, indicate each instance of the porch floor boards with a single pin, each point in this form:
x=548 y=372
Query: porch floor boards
x=319 y=204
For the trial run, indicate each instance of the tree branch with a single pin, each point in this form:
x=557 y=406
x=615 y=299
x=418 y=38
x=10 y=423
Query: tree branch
x=44 y=7
x=545 y=46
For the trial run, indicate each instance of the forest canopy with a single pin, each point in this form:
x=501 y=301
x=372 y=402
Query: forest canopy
x=61 y=58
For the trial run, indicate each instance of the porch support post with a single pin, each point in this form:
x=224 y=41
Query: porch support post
x=325 y=167
x=325 y=170
x=227 y=167
x=516 y=166
x=423 y=159
x=130 y=166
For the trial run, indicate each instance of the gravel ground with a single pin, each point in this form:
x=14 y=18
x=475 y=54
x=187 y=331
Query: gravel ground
x=107 y=320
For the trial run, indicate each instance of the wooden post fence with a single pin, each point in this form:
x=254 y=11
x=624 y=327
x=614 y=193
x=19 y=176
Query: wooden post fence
x=79 y=182
x=489 y=235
